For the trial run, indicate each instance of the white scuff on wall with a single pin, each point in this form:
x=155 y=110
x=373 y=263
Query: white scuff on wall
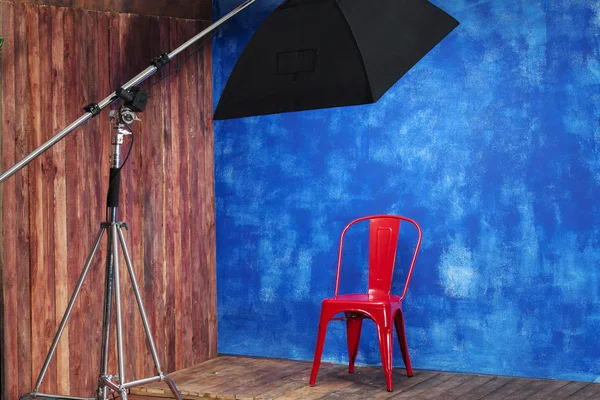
x=458 y=276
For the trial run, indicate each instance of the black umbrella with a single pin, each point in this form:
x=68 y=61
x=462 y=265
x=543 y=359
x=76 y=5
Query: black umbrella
x=311 y=54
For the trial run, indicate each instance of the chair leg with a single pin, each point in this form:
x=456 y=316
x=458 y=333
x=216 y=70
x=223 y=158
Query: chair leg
x=353 y=328
x=384 y=331
x=401 y=332
x=323 y=322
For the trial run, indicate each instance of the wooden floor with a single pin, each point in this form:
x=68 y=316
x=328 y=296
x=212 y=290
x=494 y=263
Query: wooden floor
x=246 y=378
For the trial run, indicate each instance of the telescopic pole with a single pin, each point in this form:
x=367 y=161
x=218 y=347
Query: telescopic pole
x=94 y=109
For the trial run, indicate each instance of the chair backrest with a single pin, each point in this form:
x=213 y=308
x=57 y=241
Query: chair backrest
x=383 y=241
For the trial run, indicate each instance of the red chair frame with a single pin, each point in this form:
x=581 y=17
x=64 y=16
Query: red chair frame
x=378 y=304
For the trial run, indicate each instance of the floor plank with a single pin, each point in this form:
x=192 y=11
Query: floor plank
x=508 y=389
x=550 y=389
x=567 y=390
x=589 y=392
x=459 y=392
x=421 y=388
x=487 y=388
x=249 y=378
x=437 y=391
x=530 y=389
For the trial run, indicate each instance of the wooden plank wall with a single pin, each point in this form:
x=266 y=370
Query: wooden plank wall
x=2 y=368
x=55 y=60
x=192 y=9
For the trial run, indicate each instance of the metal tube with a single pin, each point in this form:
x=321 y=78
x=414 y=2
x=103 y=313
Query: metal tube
x=173 y=388
x=141 y=77
x=111 y=385
x=138 y=297
x=120 y=360
x=141 y=382
x=211 y=28
x=67 y=313
x=11 y=171
x=108 y=296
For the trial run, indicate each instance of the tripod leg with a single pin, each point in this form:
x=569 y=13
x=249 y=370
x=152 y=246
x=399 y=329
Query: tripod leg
x=138 y=297
x=106 y=318
x=114 y=240
x=142 y=310
x=173 y=388
x=67 y=313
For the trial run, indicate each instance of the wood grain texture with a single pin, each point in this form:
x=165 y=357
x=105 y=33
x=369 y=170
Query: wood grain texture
x=245 y=378
x=191 y=9
x=209 y=233
x=9 y=343
x=52 y=210
x=60 y=197
x=22 y=138
x=2 y=361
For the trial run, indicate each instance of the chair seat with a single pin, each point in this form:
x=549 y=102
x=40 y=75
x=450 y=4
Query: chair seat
x=372 y=299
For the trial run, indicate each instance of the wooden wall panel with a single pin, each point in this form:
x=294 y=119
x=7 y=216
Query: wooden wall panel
x=51 y=210
x=190 y=9
x=2 y=367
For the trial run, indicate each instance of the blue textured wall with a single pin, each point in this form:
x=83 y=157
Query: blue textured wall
x=492 y=143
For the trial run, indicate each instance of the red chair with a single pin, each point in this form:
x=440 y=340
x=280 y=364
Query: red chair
x=378 y=304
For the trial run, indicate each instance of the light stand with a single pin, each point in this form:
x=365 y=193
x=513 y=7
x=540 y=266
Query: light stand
x=135 y=100
x=114 y=229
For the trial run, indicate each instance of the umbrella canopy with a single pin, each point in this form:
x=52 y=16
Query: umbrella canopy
x=311 y=54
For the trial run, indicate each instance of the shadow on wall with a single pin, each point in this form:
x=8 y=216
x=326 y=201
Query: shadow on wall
x=491 y=143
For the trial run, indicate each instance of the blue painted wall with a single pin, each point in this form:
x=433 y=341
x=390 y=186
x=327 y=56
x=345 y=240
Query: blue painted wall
x=492 y=143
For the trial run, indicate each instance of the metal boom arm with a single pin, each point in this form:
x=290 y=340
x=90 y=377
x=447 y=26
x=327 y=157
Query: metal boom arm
x=94 y=109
